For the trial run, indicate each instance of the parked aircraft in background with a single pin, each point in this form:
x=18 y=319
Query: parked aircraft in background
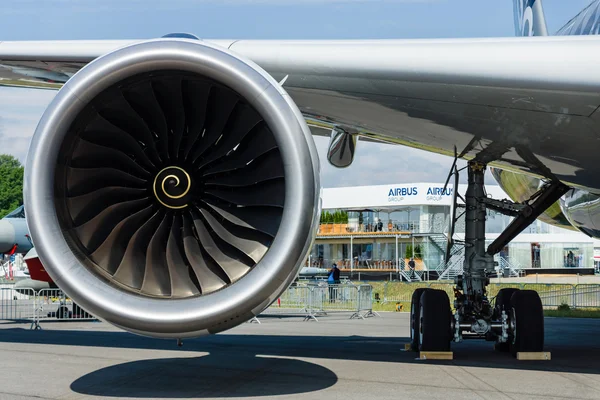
x=15 y=239
x=14 y=234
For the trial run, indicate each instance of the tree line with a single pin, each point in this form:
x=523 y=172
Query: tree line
x=337 y=217
x=11 y=184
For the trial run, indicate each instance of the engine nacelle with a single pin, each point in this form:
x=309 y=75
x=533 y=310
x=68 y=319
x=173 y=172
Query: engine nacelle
x=521 y=187
x=172 y=188
x=576 y=210
x=583 y=211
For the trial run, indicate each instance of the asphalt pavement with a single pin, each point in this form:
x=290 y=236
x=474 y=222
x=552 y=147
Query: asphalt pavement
x=287 y=358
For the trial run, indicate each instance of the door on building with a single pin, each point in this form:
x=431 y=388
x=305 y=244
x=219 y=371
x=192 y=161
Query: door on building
x=535 y=255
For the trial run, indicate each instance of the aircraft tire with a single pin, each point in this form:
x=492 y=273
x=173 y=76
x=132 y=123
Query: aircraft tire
x=415 y=312
x=503 y=303
x=528 y=322
x=435 y=321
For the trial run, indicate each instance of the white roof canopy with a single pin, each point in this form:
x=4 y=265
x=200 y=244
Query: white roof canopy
x=398 y=196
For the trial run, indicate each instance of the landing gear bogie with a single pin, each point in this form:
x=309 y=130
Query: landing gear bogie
x=516 y=322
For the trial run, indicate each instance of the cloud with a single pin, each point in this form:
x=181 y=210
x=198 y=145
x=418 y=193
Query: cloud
x=20 y=112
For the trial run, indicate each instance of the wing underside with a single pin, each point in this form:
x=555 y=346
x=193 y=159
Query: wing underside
x=520 y=103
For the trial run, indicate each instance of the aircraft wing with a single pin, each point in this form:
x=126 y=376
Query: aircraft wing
x=529 y=104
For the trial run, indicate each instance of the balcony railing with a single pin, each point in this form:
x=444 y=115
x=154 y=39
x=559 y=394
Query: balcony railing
x=393 y=227
x=373 y=264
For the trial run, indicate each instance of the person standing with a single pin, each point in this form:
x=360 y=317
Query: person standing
x=333 y=279
x=411 y=266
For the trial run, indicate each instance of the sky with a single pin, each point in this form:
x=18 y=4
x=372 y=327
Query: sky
x=21 y=109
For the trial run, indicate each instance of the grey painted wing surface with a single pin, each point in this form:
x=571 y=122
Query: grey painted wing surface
x=527 y=103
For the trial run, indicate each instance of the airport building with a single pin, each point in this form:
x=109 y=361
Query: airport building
x=375 y=230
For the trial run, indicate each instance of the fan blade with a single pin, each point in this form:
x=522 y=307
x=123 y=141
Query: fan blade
x=254 y=145
x=252 y=248
x=168 y=92
x=179 y=268
x=132 y=267
x=243 y=120
x=260 y=170
x=263 y=219
x=89 y=155
x=142 y=99
x=195 y=99
x=95 y=231
x=82 y=181
x=110 y=253
x=229 y=264
x=85 y=207
x=102 y=133
x=269 y=193
x=208 y=279
x=221 y=105
x=120 y=113
x=156 y=278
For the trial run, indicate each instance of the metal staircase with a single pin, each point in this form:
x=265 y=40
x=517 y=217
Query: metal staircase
x=514 y=271
x=406 y=274
x=438 y=240
x=443 y=270
x=454 y=266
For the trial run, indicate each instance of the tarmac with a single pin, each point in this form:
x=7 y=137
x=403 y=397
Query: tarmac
x=287 y=358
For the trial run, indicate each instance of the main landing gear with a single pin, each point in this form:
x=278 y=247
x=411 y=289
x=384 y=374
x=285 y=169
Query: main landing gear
x=516 y=322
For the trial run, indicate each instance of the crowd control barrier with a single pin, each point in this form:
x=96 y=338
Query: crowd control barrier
x=552 y=295
x=17 y=305
x=308 y=300
x=315 y=300
x=25 y=304
x=53 y=304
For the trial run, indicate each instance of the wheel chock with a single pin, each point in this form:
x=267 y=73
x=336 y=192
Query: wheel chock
x=532 y=356
x=407 y=347
x=436 y=355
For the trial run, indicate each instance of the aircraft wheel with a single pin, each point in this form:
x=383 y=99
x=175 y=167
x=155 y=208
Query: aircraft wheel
x=528 y=322
x=503 y=303
x=415 y=312
x=435 y=321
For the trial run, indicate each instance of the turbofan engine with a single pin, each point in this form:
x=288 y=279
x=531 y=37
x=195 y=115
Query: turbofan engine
x=172 y=188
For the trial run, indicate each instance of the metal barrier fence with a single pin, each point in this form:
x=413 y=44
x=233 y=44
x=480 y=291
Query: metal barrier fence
x=53 y=304
x=552 y=295
x=312 y=301
x=307 y=300
x=17 y=305
x=26 y=304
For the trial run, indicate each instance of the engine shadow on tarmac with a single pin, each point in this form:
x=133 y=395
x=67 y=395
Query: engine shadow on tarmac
x=246 y=365
x=213 y=375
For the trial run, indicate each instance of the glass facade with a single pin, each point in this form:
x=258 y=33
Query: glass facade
x=550 y=255
x=427 y=225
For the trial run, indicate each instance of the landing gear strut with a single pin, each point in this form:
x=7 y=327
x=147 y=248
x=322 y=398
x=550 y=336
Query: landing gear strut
x=516 y=323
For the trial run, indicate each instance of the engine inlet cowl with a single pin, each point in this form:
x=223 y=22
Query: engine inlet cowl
x=172 y=188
